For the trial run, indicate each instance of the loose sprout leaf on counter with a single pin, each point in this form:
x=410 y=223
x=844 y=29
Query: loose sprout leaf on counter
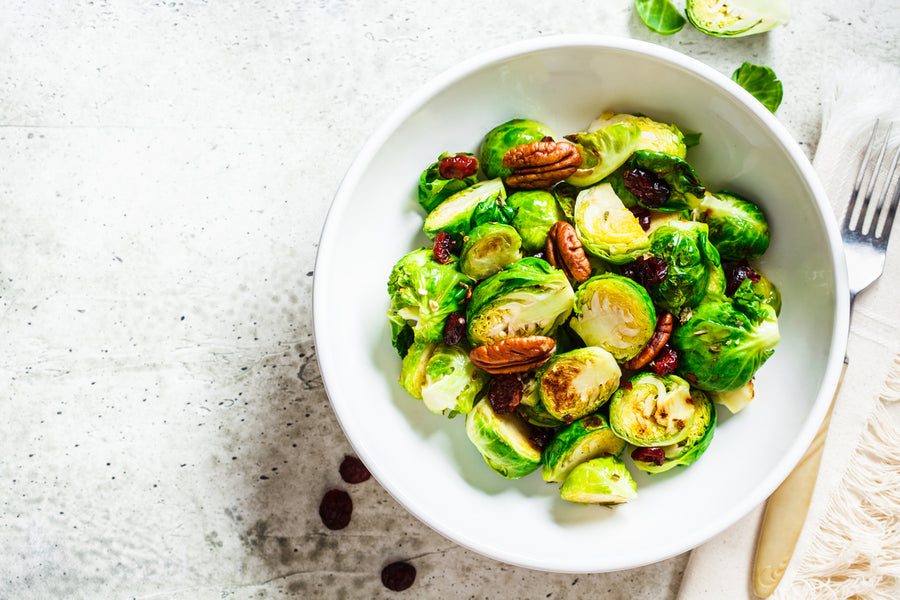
x=660 y=16
x=762 y=82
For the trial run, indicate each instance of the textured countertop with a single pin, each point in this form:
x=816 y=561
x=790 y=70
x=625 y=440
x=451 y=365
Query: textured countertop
x=165 y=170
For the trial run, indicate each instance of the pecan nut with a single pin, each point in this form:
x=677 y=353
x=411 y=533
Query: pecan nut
x=513 y=355
x=564 y=251
x=540 y=165
x=657 y=341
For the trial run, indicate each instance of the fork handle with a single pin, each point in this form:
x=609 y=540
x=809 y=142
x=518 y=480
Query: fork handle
x=786 y=511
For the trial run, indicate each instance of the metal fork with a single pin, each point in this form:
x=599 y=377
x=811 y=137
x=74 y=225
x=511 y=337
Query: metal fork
x=865 y=238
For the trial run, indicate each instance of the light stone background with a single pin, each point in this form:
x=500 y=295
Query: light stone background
x=165 y=169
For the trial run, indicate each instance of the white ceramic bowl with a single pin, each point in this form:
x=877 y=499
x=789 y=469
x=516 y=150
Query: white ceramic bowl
x=425 y=461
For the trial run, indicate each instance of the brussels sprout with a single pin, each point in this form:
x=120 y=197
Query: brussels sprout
x=565 y=194
x=736 y=18
x=735 y=400
x=529 y=297
x=502 y=439
x=506 y=136
x=603 y=480
x=603 y=151
x=687 y=451
x=530 y=407
x=442 y=377
x=606 y=228
x=434 y=189
x=615 y=313
x=745 y=281
x=423 y=292
x=535 y=213
x=488 y=248
x=737 y=227
x=691 y=259
x=654 y=136
x=586 y=438
x=574 y=384
x=652 y=410
x=723 y=344
x=768 y=292
x=455 y=214
x=657 y=181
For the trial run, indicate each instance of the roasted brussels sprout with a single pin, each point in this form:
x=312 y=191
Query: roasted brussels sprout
x=745 y=281
x=576 y=383
x=488 y=248
x=735 y=400
x=531 y=408
x=423 y=292
x=691 y=260
x=529 y=297
x=606 y=228
x=603 y=151
x=687 y=451
x=652 y=410
x=657 y=181
x=654 y=136
x=603 y=480
x=506 y=136
x=455 y=214
x=736 y=18
x=586 y=438
x=737 y=227
x=434 y=188
x=503 y=441
x=614 y=313
x=534 y=213
x=442 y=377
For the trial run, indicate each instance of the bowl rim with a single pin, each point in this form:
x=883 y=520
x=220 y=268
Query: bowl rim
x=840 y=330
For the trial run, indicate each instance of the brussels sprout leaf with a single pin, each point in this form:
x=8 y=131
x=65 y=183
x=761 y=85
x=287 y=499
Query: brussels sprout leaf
x=491 y=211
x=660 y=16
x=761 y=82
x=691 y=139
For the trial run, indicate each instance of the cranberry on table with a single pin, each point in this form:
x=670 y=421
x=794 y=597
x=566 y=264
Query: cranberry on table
x=335 y=509
x=353 y=470
x=398 y=576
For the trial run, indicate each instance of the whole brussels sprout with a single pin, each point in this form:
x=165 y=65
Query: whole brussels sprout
x=745 y=281
x=737 y=227
x=586 y=438
x=576 y=383
x=503 y=441
x=529 y=297
x=456 y=213
x=603 y=151
x=652 y=410
x=657 y=181
x=434 y=188
x=606 y=228
x=488 y=248
x=691 y=260
x=535 y=212
x=442 y=377
x=654 y=136
x=614 y=313
x=688 y=450
x=604 y=480
x=507 y=136
x=423 y=293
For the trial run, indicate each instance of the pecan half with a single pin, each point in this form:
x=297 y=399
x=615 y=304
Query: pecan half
x=540 y=165
x=513 y=355
x=657 y=341
x=564 y=251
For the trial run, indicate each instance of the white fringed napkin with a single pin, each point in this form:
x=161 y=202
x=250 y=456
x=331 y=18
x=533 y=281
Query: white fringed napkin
x=850 y=544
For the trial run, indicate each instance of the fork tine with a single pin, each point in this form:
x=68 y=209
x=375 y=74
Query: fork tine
x=864 y=225
x=892 y=209
x=854 y=195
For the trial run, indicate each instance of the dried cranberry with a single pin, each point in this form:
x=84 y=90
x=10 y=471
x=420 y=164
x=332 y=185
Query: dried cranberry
x=648 y=271
x=353 y=470
x=454 y=328
x=443 y=244
x=654 y=455
x=737 y=273
x=458 y=166
x=650 y=190
x=540 y=437
x=335 y=509
x=643 y=216
x=504 y=393
x=398 y=576
x=665 y=361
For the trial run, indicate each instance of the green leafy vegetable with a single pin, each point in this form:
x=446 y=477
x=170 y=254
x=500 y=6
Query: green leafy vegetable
x=660 y=16
x=736 y=18
x=761 y=82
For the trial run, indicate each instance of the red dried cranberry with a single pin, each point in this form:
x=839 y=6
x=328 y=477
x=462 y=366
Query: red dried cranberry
x=643 y=216
x=540 y=437
x=454 y=328
x=737 y=273
x=648 y=271
x=398 y=576
x=443 y=244
x=650 y=190
x=504 y=393
x=654 y=455
x=353 y=470
x=458 y=166
x=665 y=361
x=335 y=509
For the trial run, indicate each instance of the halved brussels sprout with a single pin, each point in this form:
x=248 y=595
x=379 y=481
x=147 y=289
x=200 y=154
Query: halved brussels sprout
x=652 y=410
x=506 y=136
x=535 y=213
x=442 y=377
x=737 y=227
x=654 y=136
x=423 y=292
x=434 y=189
x=586 y=438
x=488 y=248
x=657 y=181
x=530 y=407
x=529 y=297
x=576 y=383
x=603 y=480
x=502 y=439
x=691 y=260
x=603 y=151
x=454 y=215
x=614 y=313
x=688 y=450
x=735 y=400
x=736 y=18
x=606 y=228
